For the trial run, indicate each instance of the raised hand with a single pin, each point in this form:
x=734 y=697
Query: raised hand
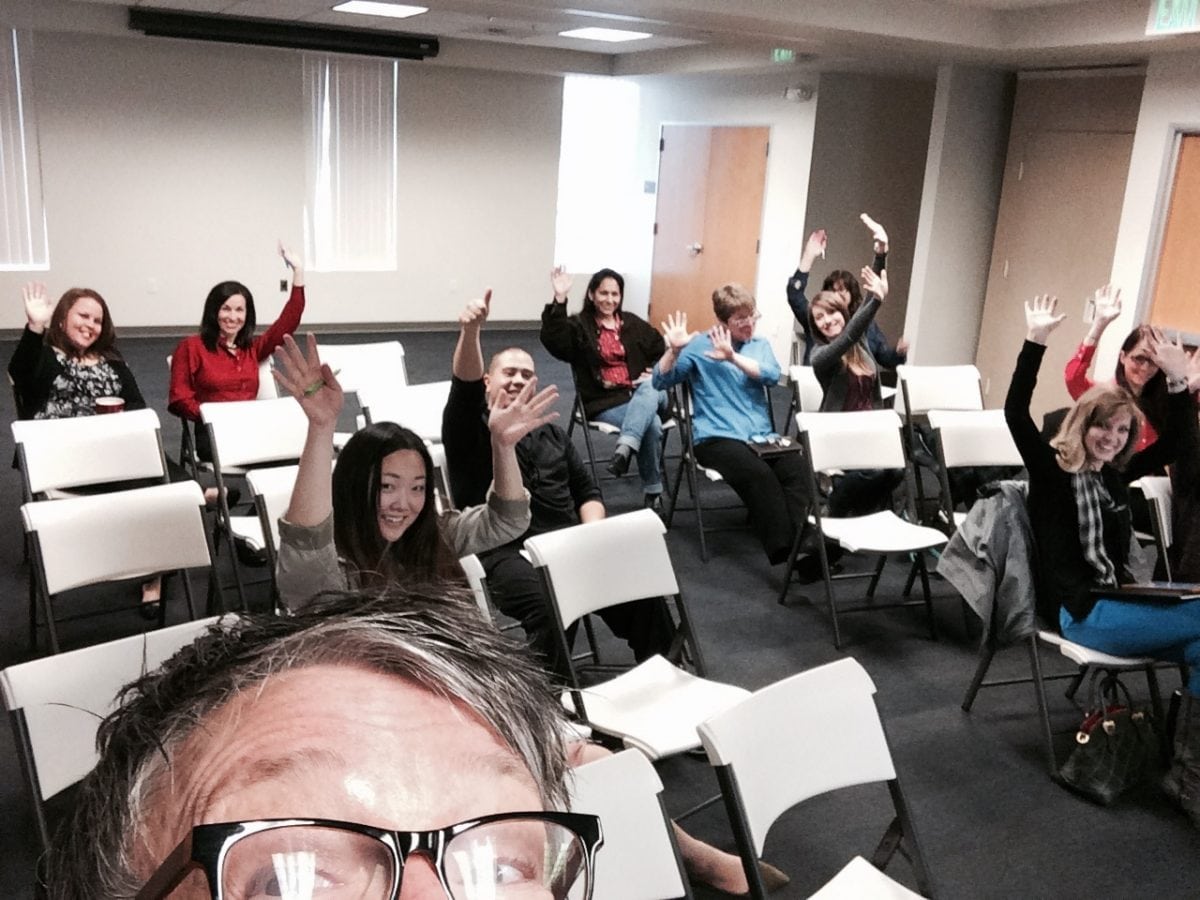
x=561 y=282
x=38 y=308
x=310 y=381
x=1169 y=356
x=476 y=312
x=1040 y=318
x=873 y=283
x=511 y=418
x=1193 y=370
x=722 y=344
x=290 y=259
x=878 y=234
x=1107 y=304
x=814 y=247
x=675 y=331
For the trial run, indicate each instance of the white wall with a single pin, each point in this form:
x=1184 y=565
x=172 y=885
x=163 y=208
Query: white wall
x=724 y=100
x=961 y=197
x=1170 y=102
x=169 y=166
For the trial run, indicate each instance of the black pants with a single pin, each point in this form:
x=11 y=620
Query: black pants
x=862 y=492
x=516 y=589
x=775 y=490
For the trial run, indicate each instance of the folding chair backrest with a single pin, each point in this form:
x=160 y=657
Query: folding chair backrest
x=975 y=438
x=477 y=578
x=853 y=440
x=417 y=406
x=922 y=388
x=639 y=860
x=805 y=735
x=808 y=389
x=87 y=540
x=66 y=453
x=1157 y=490
x=249 y=432
x=363 y=366
x=604 y=563
x=272 y=491
x=64 y=697
x=267 y=388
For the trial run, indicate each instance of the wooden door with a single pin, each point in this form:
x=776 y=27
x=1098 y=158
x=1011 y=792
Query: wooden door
x=1173 y=302
x=709 y=216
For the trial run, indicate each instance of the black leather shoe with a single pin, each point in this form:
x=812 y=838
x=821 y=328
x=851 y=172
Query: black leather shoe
x=654 y=502
x=619 y=464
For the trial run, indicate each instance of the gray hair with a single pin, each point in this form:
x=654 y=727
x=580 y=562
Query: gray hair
x=432 y=636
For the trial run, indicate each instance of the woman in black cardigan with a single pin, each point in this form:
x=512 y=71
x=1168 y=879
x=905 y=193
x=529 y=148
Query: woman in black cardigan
x=1079 y=513
x=611 y=353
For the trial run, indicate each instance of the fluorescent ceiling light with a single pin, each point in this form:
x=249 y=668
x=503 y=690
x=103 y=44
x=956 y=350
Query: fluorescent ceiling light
x=612 y=35
x=377 y=8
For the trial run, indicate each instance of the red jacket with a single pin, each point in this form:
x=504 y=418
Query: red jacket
x=200 y=375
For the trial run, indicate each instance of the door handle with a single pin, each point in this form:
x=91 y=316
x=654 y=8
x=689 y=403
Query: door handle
x=694 y=249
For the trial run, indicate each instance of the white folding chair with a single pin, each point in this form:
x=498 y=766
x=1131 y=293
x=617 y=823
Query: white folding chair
x=55 y=455
x=1157 y=491
x=641 y=860
x=922 y=388
x=267 y=390
x=477 y=580
x=56 y=704
x=969 y=438
x=379 y=365
x=129 y=534
x=655 y=706
x=806 y=735
x=807 y=392
x=245 y=434
x=859 y=880
x=849 y=441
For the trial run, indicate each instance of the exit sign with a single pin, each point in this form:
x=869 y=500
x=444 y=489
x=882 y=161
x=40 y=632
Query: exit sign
x=1173 y=16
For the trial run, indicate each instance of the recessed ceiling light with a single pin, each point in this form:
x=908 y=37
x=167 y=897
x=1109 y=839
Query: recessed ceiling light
x=377 y=8
x=612 y=35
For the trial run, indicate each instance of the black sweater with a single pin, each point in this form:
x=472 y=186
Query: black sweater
x=1062 y=575
x=576 y=340
x=35 y=365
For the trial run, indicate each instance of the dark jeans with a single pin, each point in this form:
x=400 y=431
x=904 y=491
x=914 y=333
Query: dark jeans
x=516 y=589
x=775 y=490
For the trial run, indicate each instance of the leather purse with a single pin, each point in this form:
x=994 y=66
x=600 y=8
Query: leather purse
x=1116 y=747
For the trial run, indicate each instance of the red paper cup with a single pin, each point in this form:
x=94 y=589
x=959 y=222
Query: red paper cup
x=109 y=405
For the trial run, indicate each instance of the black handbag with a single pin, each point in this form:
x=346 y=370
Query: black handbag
x=1116 y=747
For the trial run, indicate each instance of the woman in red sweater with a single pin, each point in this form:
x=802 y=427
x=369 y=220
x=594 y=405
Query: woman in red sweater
x=221 y=362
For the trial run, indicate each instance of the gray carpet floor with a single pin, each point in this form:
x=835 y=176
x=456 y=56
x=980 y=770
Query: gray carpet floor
x=991 y=824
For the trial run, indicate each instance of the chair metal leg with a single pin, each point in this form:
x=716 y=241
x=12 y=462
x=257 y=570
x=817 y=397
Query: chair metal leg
x=986 y=652
x=924 y=573
x=874 y=582
x=828 y=576
x=1039 y=689
x=909 y=835
x=739 y=823
x=912 y=577
x=1156 y=703
x=791 y=562
x=591 y=452
x=1073 y=687
x=186 y=578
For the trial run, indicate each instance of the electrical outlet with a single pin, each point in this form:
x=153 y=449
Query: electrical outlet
x=283 y=285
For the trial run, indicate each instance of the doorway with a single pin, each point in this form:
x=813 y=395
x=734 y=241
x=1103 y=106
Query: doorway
x=709 y=216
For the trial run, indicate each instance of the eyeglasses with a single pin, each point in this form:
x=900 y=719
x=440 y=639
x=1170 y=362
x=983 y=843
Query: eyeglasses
x=743 y=321
x=1142 y=360
x=509 y=856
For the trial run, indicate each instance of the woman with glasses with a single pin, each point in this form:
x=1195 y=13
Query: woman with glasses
x=611 y=352
x=729 y=371
x=1136 y=369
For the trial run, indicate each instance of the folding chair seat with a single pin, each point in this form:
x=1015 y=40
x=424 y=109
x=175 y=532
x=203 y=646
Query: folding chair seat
x=655 y=706
x=244 y=434
x=129 y=534
x=56 y=455
x=806 y=735
x=56 y=704
x=691 y=470
x=850 y=441
x=641 y=860
x=417 y=407
x=859 y=880
x=968 y=439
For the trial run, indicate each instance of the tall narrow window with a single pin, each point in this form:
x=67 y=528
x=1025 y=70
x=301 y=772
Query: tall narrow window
x=597 y=189
x=23 y=238
x=350 y=208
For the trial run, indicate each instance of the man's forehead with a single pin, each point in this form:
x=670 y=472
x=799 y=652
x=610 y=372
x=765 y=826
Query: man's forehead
x=513 y=359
